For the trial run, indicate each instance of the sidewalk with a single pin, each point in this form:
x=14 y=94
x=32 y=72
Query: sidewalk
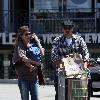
x=11 y=92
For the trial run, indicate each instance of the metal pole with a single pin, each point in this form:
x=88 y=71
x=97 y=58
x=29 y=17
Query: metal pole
x=29 y=12
x=95 y=15
x=62 y=8
x=9 y=16
x=5 y=14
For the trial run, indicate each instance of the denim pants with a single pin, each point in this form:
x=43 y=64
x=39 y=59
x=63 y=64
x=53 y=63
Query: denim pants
x=26 y=86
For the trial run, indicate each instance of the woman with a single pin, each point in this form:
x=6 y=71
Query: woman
x=26 y=68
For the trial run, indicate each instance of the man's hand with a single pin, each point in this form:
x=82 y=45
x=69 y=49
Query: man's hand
x=59 y=63
x=85 y=65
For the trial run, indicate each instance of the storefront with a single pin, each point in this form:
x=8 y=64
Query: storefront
x=44 y=18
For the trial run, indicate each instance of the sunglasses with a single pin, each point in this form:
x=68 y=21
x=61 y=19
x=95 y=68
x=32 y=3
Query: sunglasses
x=68 y=27
x=27 y=34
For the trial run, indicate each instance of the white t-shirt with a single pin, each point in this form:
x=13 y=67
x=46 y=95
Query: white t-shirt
x=69 y=41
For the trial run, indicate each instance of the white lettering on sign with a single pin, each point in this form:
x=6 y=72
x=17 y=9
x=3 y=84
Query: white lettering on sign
x=87 y=38
x=98 y=38
x=12 y=38
x=94 y=37
x=91 y=38
x=4 y=39
x=48 y=38
x=9 y=39
x=45 y=37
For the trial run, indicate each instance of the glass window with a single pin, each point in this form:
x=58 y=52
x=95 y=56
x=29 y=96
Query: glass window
x=48 y=5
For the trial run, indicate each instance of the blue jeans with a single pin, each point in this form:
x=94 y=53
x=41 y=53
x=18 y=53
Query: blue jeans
x=26 y=86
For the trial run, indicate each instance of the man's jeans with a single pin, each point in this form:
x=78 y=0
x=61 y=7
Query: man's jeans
x=26 y=86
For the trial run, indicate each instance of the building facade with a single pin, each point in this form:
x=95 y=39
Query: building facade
x=44 y=17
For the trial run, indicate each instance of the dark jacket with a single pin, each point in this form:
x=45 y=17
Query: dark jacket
x=22 y=70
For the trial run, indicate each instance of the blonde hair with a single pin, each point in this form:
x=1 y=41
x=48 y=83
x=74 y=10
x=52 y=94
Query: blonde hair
x=21 y=30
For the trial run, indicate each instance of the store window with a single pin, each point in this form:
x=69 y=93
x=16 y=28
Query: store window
x=48 y=5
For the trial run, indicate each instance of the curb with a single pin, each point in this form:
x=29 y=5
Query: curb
x=11 y=81
x=15 y=81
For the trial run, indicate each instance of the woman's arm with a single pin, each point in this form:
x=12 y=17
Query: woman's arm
x=24 y=58
x=38 y=43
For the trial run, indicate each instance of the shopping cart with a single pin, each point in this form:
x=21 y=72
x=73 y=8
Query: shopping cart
x=73 y=88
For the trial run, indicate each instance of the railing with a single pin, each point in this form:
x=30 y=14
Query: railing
x=68 y=13
x=11 y=20
x=82 y=25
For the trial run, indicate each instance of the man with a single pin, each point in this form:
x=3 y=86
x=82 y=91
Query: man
x=66 y=44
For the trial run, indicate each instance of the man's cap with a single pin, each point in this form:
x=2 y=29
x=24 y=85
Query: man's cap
x=67 y=23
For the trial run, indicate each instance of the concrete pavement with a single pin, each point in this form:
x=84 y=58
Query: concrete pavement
x=11 y=92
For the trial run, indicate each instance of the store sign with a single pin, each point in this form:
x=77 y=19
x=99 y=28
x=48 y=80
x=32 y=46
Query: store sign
x=9 y=39
x=88 y=37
